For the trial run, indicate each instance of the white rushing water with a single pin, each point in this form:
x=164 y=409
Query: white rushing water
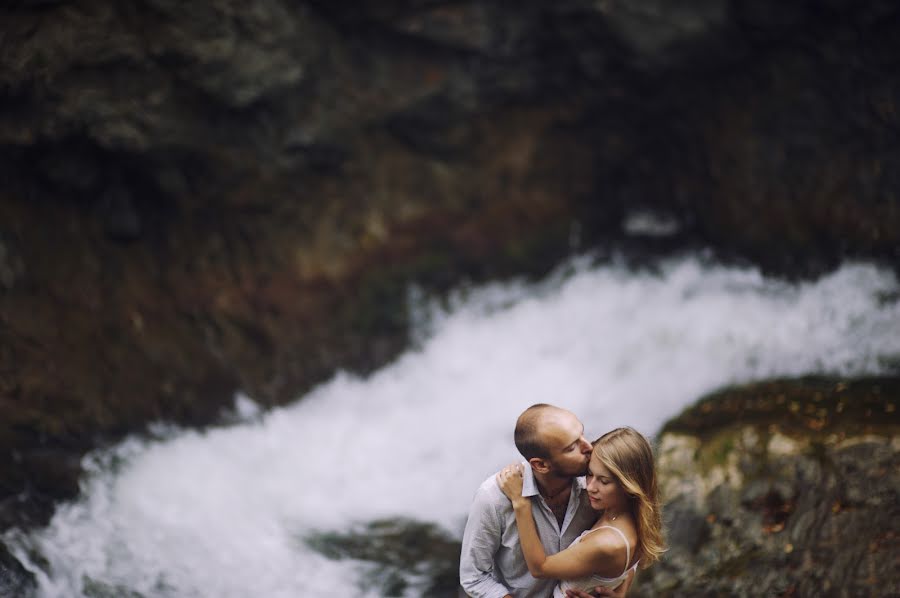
x=220 y=513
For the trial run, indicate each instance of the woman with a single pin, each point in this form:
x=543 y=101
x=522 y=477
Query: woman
x=621 y=484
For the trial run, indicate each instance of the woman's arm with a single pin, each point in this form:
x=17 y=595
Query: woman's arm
x=575 y=561
x=619 y=592
x=528 y=537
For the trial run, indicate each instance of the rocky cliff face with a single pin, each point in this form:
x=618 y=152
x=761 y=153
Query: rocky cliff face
x=234 y=195
x=787 y=488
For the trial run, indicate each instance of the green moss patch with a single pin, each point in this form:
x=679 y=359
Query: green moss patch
x=398 y=554
x=812 y=407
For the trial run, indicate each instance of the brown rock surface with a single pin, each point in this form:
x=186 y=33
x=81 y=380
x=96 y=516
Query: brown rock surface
x=225 y=195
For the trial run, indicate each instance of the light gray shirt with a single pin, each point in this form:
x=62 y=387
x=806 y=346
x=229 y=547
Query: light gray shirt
x=492 y=564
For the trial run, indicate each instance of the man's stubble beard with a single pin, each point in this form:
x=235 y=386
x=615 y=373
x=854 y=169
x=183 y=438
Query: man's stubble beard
x=563 y=474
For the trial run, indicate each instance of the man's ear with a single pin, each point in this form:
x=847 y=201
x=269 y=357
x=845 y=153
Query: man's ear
x=539 y=465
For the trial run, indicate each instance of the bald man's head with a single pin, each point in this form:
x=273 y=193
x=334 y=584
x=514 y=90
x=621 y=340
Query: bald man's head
x=552 y=440
x=527 y=436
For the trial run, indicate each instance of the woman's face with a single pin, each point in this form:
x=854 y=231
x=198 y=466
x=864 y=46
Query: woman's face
x=604 y=491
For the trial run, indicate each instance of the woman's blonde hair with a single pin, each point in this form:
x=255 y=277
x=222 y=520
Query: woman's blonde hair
x=628 y=456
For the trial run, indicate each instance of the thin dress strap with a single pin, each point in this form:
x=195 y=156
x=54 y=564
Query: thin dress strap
x=627 y=545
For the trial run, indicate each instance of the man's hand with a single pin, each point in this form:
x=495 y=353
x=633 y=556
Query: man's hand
x=619 y=592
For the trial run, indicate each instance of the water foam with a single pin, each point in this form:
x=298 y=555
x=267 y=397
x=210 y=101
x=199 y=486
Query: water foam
x=223 y=512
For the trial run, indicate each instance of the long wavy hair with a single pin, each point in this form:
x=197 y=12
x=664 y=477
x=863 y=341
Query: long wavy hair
x=628 y=456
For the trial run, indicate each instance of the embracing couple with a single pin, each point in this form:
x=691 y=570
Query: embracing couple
x=539 y=528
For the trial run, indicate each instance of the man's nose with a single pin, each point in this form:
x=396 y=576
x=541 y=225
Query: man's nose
x=585 y=446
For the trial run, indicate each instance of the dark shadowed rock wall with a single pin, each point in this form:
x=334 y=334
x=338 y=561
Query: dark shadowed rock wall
x=203 y=197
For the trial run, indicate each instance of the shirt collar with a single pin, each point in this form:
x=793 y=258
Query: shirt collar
x=529 y=484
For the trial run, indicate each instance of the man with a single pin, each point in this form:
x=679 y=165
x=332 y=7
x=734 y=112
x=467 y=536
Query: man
x=492 y=565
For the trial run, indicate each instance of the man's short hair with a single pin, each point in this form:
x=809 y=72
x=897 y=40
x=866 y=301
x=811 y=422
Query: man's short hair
x=528 y=441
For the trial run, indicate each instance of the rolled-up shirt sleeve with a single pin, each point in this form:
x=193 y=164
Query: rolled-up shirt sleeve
x=481 y=541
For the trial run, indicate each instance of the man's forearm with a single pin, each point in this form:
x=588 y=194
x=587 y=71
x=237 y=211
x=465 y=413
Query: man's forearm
x=486 y=590
x=476 y=564
x=479 y=584
x=481 y=540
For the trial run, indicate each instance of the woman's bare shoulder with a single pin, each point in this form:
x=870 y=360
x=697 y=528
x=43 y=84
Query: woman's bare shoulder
x=609 y=548
x=604 y=537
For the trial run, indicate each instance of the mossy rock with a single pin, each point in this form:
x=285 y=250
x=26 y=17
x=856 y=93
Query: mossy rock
x=813 y=407
x=93 y=588
x=762 y=482
x=400 y=554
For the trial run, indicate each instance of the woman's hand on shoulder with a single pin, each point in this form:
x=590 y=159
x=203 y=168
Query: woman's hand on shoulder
x=510 y=481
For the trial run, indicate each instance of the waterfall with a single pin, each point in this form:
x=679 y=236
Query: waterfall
x=223 y=512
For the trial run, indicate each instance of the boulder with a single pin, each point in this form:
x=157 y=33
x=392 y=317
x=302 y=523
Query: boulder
x=400 y=556
x=782 y=488
x=15 y=580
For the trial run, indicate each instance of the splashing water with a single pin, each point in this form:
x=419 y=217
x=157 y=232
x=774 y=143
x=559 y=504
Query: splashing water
x=221 y=513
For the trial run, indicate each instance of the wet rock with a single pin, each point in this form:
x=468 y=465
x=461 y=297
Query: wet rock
x=11 y=265
x=53 y=473
x=15 y=580
x=237 y=55
x=665 y=33
x=70 y=168
x=686 y=527
x=93 y=588
x=819 y=457
x=403 y=556
x=320 y=155
x=120 y=216
x=228 y=87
